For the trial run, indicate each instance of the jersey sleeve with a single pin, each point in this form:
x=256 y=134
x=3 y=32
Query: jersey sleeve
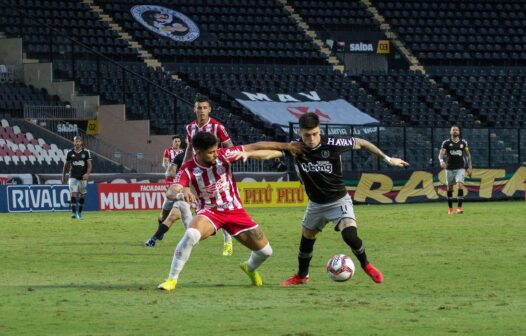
x=222 y=134
x=465 y=144
x=88 y=157
x=444 y=144
x=229 y=154
x=182 y=177
x=68 y=157
x=166 y=154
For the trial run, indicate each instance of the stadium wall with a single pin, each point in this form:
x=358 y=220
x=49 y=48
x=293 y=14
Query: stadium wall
x=380 y=188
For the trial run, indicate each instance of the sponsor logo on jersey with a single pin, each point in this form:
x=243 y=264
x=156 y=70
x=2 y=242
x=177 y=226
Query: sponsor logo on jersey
x=318 y=166
x=340 y=142
x=457 y=152
x=166 y=22
x=325 y=154
x=78 y=163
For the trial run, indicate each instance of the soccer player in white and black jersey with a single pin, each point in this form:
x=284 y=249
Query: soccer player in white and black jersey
x=79 y=165
x=320 y=171
x=455 y=148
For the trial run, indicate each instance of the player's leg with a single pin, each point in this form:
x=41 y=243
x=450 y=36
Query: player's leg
x=73 y=190
x=256 y=240
x=186 y=213
x=450 y=183
x=459 y=177
x=161 y=227
x=313 y=223
x=228 y=247
x=83 y=189
x=349 y=231
x=200 y=229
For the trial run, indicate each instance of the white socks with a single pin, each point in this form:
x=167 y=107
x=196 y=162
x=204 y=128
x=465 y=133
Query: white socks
x=186 y=212
x=226 y=237
x=183 y=251
x=258 y=257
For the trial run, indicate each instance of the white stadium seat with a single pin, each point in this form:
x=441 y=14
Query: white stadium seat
x=5 y=123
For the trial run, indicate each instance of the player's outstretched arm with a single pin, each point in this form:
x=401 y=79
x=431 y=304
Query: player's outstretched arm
x=294 y=148
x=262 y=154
x=364 y=144
x=171 y=170
x=227 y=144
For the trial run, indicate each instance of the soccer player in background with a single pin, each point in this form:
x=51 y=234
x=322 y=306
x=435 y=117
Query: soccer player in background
x=79 y=166
x=172 y=210
x=320 y=171
x=209 y=175
x=204 y=123
x=455 y=148
x=171 y=152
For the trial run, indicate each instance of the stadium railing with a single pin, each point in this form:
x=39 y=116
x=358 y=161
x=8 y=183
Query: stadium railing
x=489 y=147
x=60 y=112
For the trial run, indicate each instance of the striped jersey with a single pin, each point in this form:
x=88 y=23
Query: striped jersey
x=170 y=153
x=214 y=186
x=213 y=127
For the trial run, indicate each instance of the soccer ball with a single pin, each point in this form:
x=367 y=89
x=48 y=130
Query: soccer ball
x=340 y=268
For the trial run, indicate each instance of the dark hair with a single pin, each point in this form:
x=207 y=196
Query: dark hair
x=309 y=121
x=203 y=140
x=177 y=136
x=202 y=99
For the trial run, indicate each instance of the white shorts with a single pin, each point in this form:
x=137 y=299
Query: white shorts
x=77 y=186
x=318 y=215
x=455 y=176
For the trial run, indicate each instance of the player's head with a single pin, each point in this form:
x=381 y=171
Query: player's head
x=454 y=131
x=205 y=146
x=77 y=141
x=176 y=141
x=202 y=109
x=310 y=130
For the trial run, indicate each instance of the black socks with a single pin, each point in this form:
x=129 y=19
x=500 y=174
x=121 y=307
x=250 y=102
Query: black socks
x=73 y=204
x=305 y=255
x=350 y=236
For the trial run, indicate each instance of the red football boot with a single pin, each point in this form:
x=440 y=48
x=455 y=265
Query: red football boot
x=295 y=280
x=374 y=273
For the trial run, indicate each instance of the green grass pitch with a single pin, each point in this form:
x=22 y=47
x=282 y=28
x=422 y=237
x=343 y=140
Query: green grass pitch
x=444 y=275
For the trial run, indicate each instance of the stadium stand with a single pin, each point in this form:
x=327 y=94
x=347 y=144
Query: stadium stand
x=257 y=45
x=72 y=18
x=13 y=97
x=38 y=151
x=451 y=32
x=227 y=33
x=339 y=14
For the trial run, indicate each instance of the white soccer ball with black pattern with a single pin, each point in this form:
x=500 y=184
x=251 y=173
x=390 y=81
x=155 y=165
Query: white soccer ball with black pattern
x=340 y=268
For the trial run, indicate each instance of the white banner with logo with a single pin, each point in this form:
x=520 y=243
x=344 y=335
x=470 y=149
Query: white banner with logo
x=282 y=108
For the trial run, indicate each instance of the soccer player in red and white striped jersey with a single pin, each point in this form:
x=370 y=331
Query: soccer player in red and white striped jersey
x=208 y=175
x=170 y=153
x=204 y=123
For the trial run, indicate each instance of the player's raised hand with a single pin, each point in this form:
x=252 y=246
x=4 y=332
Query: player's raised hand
x=469 y=171
x=396 y=162
x=443 y=165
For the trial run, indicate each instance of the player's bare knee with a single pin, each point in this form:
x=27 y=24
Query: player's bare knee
x=345 y=223
x=309 y=234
